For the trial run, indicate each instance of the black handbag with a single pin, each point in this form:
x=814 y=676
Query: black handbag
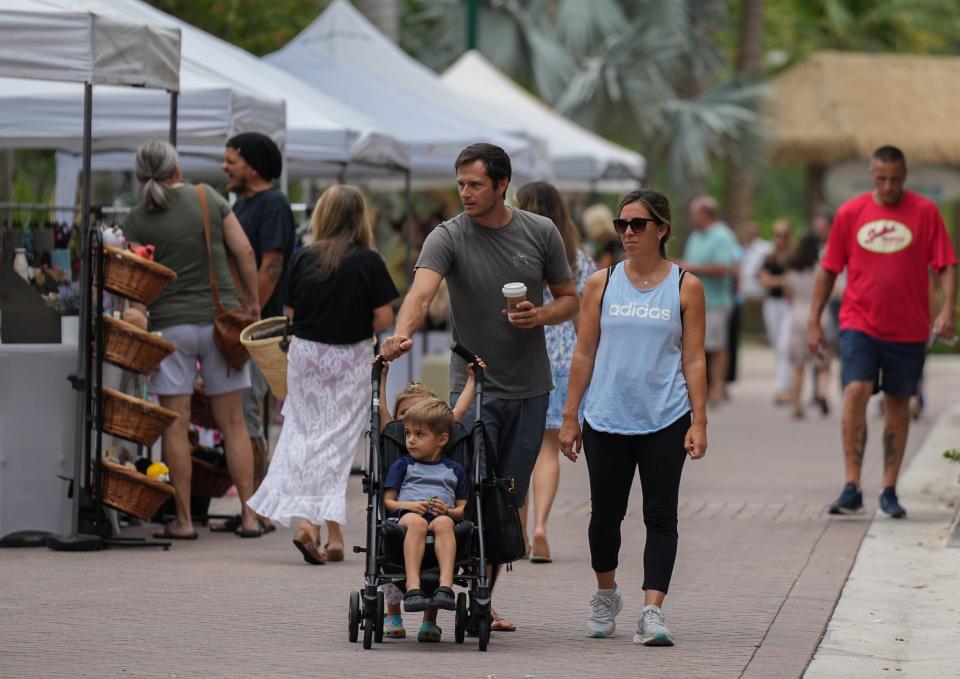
x=502 y=531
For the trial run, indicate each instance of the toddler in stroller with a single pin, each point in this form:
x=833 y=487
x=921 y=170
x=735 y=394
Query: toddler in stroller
x=387 y=544
x=414 y=394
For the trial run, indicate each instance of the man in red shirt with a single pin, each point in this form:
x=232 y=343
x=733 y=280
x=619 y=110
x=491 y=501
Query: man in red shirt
x=888 y=240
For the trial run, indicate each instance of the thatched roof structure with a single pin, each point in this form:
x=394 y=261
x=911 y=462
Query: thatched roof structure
x=843 y=105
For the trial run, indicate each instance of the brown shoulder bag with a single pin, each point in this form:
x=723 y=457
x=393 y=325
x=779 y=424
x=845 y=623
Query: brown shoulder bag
x=227 y=323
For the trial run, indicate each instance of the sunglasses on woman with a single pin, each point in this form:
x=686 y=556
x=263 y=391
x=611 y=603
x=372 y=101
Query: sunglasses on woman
x=637 y=224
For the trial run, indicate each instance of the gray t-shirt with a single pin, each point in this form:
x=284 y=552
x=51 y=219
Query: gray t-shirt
x=476 y=262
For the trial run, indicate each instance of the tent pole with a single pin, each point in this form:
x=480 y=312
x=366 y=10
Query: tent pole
x=174 y=97
x=82 y=436
x=408 y=254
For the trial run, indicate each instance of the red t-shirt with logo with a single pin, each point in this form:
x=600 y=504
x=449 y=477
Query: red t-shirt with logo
x=888 y=251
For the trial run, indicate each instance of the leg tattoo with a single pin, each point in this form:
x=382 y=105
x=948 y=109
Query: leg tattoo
x=861 y=444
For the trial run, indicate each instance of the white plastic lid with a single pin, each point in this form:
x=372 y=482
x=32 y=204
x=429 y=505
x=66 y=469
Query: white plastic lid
x=514 y=290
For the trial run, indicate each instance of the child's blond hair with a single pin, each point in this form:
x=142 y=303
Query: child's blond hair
x=433 y=413
x=413 y=390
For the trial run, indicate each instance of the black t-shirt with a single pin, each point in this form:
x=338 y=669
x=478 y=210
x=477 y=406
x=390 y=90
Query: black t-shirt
x=773 y=267
x=338 y=310
x=268 y=222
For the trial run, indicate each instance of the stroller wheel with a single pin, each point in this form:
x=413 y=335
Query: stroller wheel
x=483 y=627
x=460 y=631
x=354 y=616
x=378 y=621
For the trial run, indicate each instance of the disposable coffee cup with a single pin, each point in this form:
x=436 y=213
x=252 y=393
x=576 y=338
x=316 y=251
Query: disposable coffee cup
x=515 y=293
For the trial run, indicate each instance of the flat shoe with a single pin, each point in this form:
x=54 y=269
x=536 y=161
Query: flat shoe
x=247 y=533
x=540 y=552
x=165 y=534
x=333 y=554
x=225 y=526
x=267 y=527
x=311 y=553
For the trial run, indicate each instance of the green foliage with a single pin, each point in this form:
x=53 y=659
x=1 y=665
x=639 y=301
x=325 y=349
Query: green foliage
x=258 y=26
x=953 y=454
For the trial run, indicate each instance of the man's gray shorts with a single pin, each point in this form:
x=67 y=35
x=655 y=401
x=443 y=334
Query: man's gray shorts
x=717 y=334
x=177 y=372
x=515 y=428
x=253 y=400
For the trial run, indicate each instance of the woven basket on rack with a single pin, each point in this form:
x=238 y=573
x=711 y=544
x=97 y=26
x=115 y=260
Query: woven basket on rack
x=201 y=410
x=208 y=479
x=133 y=418
x=132 y=348
x=269 y=353
x=132 y=492
x=134 y=277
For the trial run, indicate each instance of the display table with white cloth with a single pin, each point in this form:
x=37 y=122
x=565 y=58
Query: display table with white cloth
x=37 y=443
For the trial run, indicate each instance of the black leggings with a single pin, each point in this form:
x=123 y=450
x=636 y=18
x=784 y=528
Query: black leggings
x=611 y=461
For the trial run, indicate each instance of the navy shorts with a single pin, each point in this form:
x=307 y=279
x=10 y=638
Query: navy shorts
x=894 y=367
x=515 y=428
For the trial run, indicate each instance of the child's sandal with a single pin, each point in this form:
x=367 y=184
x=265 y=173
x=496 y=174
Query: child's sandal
x=429 y=633
x=393 y=627
x=414 y=601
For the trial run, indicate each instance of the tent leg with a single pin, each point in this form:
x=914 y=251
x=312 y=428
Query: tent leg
x=174 y=100
x=408 y=254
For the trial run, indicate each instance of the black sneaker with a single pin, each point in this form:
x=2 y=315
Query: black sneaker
x=890 y=505
x=849 y=502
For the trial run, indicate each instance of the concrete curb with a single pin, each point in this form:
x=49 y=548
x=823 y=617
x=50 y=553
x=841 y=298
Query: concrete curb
x=900 y=609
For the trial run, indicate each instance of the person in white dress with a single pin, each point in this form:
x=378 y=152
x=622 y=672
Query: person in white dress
x=339 y=295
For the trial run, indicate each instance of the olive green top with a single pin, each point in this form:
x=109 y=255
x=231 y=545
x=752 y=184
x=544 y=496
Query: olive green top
x=177 y=235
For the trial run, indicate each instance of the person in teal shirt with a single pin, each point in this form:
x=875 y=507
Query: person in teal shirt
x=711 y=254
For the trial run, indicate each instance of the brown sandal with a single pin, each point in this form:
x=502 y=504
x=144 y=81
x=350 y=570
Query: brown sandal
x=333 y=554
x=312 y=554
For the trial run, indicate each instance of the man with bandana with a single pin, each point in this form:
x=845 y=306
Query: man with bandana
x=251 y=162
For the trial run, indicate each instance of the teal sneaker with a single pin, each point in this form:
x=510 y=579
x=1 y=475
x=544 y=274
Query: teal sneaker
x=393 y=627
x=652 y=628
x=429 y=632
x=605 y=605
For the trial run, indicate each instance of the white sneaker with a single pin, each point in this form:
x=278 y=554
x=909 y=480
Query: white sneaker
x=652 y=628
x=606 y=604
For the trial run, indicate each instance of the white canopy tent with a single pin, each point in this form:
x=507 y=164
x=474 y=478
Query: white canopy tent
x=43 y=114
x=86 y=41
x=581 y=159
x=433 y=136
x=322 y=135
x=343 y=46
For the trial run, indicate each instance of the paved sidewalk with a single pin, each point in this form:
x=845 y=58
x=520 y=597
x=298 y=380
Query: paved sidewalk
x=900 y=609
x=758 y=574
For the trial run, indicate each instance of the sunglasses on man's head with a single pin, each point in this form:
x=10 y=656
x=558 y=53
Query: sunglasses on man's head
x=637 y=224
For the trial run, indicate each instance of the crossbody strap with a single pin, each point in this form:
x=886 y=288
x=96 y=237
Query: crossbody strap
x=205 y=215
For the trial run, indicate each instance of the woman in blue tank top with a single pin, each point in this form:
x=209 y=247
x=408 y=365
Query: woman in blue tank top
x=640 y=352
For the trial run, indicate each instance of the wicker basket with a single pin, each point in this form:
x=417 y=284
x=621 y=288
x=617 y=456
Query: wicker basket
x=132 y=492
x=201 y=410
x=209 y=480
x=134 y=277
x=269 y=353
x=134 y=419
x=132 y=348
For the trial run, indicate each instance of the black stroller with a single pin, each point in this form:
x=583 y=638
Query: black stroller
x=384 y=548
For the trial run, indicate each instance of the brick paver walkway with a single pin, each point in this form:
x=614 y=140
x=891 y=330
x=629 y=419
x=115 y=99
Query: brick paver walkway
x=759 y=571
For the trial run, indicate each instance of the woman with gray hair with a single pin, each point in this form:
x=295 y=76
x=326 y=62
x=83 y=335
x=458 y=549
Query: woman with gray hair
x=169 y=217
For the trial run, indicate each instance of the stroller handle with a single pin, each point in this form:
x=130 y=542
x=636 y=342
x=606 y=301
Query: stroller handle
x=469 y=357
x=377 y=371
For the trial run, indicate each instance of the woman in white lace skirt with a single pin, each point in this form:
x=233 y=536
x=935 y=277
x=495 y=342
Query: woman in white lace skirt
x=339 y=295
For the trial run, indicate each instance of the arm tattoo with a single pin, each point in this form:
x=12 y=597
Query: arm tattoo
x=274 y=269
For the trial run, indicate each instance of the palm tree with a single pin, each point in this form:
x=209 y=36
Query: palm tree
x=648 y=73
